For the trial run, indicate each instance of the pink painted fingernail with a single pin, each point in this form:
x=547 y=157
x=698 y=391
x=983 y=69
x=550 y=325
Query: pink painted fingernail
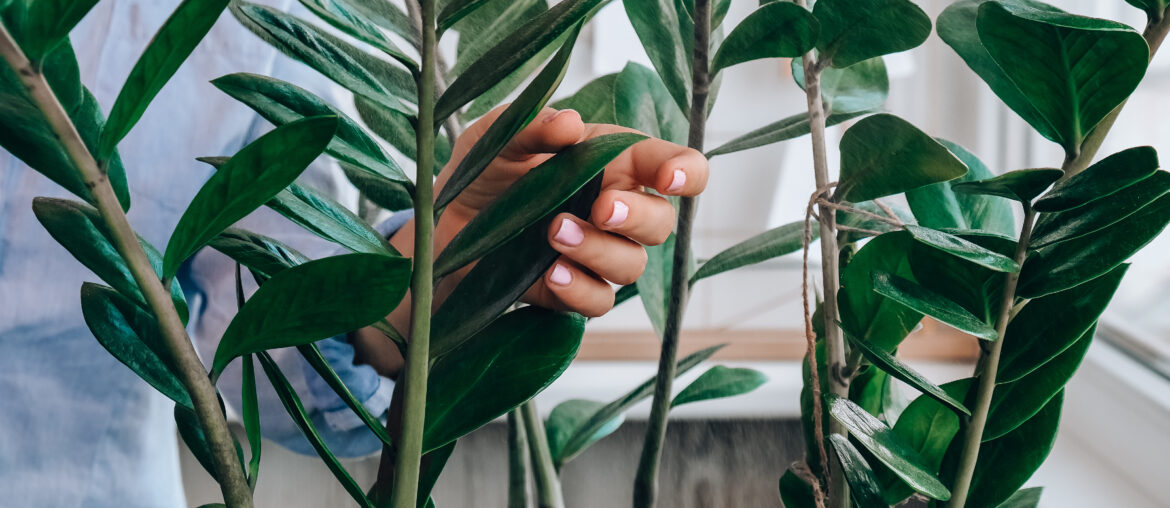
x=570 y=233
x=620 y=212
x=680 y=179
x=560 y=275
x=550 y=118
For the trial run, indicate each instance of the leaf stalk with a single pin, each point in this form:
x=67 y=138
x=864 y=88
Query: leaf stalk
x=548 y=484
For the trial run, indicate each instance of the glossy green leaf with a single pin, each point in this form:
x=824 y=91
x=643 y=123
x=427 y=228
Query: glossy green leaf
x=871 y=317
x=863 y=485
x=388 y=194
x=328 y=219
x=1104 y=178
x=452 y=11
x=39 y=26
x=1021 y=185
x=506 y=86
x=654 y=285
x=1024 y=498
x=531 y=197
x=315 y=359
x=1068 y=264
x=643 y=103
x=775 y=30
x=1033 y=337
x=280 y=102
x=518 y=115
x=770 y=244
x=963 y=249
x=257 y=252
x=894 y=367
x=511 y=53
x=594 y=101
x=660 y=27
x=387 y=15
x=342 y=15
x=888 y=447
x=296 y=410
x=130 y=334
x=854 y=31
x=353 y=69
x=192 y=435
x=863 y=86
x=483 y=28
x=433 y=464
x=397 y=129
x=938 y=206
x=314 y=301
x=255 y=174
x=567 y=418
x=720 y=382
x=82 y=231
x=873 y=226
x=250 y=414
x=173 y=43
x=501 y=277
x=791 y=127
x=586 y=431
x=975 y=288
x=1103 y=213
x=873 y=389
x=795 y=492
x=521 y=353
x=928 y=427
x=1071 y=70
x=1016 y=402
x=883 y=155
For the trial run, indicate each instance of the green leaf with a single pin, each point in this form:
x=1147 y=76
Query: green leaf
x=433 y=465
x=770 y=244
x=586 y=431
x=485 y=27
x=654 y=285
x=500 y=91
x=894 y=367
x=82 y=231
x=1068 y=264
x=1034 y=337
x=398 y=130
x=888 y=447
x=791 y=127
x=871 y=317
x=1108 y=176
x=388 y=194
x=315 y=359
x=250 y=414
x=938 y=206
x=518 y=115
x=775 y=30
x=350 y=20
x=975 y=288
x=506 y=364
x=795 y=492
x=1071 y=70
x=511 y=53
x=1024 y=498
x=326 y=218
x=852 y=31
x=1085 y=220
x=861 y=87
x=1016 y=402
x=192 y=434
x=963 y=249
x=280 y=102
x=567 y=418
x=720 y=382
x=873 y=226
x=387 y=15
x=643 y=103
x=594 y=101
x=251 y=177
x=531 y=197
x=315 y=301
x=883 y=155
x=873 y=389
x=296 y=410
x=863 y=485
x=1021 y=185
x=353 y=69
x=257 y=252
x=659 y=26
x=173 y=43
x=501 y=277
x=39 y=26
x=928 y=427
x=131 y=335
x=454 y=10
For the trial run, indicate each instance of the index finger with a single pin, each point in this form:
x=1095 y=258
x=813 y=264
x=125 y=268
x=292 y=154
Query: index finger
x=670 y=169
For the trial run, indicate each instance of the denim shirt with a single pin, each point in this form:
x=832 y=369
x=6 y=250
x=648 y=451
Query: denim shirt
x=77 y=428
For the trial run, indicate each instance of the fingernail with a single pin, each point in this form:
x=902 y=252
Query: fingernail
x=620 y=212
x=570 y=233
x=680 y=179
x=550 y=118
x=560 y=275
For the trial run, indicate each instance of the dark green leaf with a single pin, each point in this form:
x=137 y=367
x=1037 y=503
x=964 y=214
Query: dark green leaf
x=280 y=102
x=250 y=414
x=315 y=301
x=938 y=206
x=893 y=366
x=521 y=353
x=567 y=418
x=531 y=197
x=387 y=15
x=346 y=17
x=772 y=243
x=251 y=177
x=963 y=249
x=1033 y=337
x=500 y=91
x=1071 y=70
x=173 y=43
x=928 y=427
x=296 y=410
x=39 y=26
x=883 y=155
x=1106 y=177
x=193 y=436
x=975 y=288
x=795 y=492
x=863 y=485
x=869 y=316
x=872 y=226
x=1024 y=498
x=660 y=27
x=720 y=382
x=888 y=447
x=643 y=103
x=1021 y=185
x=386 y=193
x=257 y=252
x=454 y=10
x=863 y=86
x=791 y=127
x=774 y=30
x=315 y=359
x=131 y=335
x=485 y=27
x=433 y=464
x=873 y=389
x=854 y=31
x=326 y=218
x=594 y=101
x=82 y=231
x=397 y=129
x=1100 y=214
x=1016 y=402
x=654 y=285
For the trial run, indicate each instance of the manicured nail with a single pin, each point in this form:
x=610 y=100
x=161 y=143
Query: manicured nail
x=560 y=275
x=570 y=233
x=680 y=179
x=620 y=212
x=550 y=118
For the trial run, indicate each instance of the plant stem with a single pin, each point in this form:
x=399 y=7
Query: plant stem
x=414 y=376
x=518 y=465
x=973 y=438
x=646 y=479
x=453 y=125
x=548 y=485
x=229 y=472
